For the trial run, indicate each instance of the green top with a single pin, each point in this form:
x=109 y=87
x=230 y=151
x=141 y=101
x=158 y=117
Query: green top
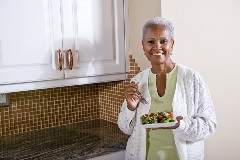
x=160 y=143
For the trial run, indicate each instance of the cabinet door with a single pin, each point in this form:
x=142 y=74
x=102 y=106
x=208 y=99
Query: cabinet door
x=94 y=31
x=30 y=34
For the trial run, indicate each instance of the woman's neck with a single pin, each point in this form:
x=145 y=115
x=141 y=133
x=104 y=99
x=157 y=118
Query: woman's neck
x=163 y=68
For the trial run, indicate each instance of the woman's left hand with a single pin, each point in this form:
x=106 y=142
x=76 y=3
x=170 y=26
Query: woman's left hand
x=179 y=118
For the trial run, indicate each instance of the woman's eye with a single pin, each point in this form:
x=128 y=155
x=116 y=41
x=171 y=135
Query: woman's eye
x=151 y=42
x=163 y=41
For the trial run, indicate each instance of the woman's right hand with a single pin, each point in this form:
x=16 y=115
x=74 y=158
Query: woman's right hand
x=131 y=96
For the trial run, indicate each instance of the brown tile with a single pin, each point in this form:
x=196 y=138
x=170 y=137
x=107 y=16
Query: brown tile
x=45 y=108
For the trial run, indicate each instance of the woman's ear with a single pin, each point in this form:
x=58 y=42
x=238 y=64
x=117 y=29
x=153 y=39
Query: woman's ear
x=172 y=43
x=172 y=47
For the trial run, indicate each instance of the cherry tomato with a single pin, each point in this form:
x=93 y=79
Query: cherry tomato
x=160 y=117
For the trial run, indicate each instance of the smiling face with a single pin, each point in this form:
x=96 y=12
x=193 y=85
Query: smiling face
x=157 y=44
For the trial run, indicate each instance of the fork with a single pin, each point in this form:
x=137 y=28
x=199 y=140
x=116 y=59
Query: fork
x=143 y=100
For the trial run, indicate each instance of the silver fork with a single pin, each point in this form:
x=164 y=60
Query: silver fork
x=143 y=100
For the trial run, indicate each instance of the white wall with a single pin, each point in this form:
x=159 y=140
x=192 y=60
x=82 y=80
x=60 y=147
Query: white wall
x=207 y=38
x=139 y=12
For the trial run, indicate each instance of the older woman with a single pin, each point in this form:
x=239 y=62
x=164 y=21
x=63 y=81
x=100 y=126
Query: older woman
x=166 y=86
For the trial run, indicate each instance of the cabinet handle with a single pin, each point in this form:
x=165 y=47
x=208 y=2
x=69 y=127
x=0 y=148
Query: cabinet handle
x=70 y=59
x=59 y=59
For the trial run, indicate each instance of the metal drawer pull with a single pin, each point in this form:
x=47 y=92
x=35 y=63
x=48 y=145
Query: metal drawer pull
x=60 y=64
x=70 y=59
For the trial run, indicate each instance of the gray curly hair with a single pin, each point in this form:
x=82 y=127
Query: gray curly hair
x=157 y=21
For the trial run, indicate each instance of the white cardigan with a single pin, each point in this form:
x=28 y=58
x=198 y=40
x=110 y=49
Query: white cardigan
x=191 y=100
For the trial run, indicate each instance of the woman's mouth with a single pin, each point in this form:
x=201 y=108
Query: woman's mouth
x=158 y=54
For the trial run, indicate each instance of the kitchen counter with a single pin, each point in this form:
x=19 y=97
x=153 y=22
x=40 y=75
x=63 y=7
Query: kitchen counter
x=75 y=141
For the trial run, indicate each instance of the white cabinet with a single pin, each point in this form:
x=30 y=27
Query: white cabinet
x=94 y=30
x=32 y=33
x=28 y=38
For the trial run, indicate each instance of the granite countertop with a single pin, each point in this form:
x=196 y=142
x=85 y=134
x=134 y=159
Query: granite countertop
x=75 y=141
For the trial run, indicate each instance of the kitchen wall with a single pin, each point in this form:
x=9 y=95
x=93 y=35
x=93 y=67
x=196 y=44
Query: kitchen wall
x=45 y=108
x=207 y=40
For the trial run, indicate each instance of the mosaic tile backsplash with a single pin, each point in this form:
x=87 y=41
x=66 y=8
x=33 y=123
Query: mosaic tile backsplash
x=46 y=108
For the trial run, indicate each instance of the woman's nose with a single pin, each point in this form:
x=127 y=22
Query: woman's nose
x=157 y=46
